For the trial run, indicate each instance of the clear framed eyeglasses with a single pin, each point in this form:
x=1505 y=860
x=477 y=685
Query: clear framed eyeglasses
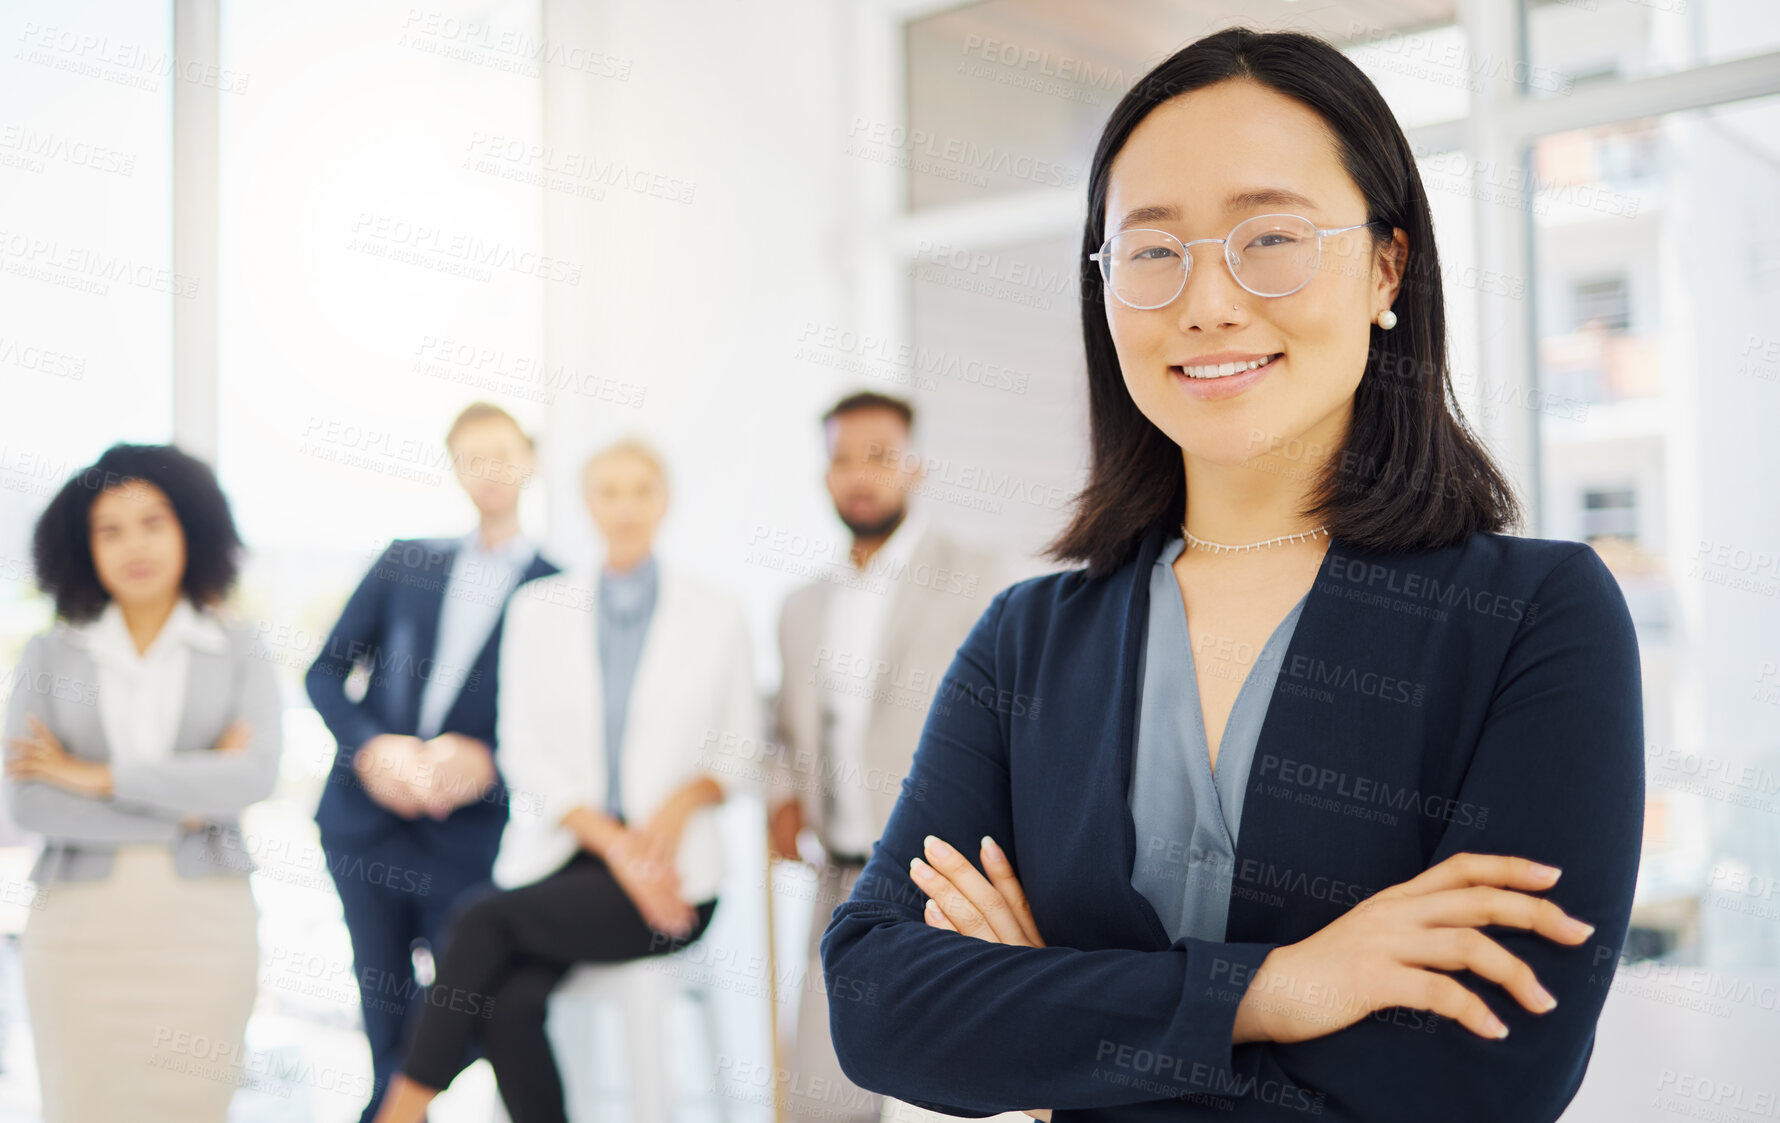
x=1269 y=255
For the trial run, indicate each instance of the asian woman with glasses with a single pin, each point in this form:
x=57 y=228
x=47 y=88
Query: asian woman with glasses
x=1313 y=725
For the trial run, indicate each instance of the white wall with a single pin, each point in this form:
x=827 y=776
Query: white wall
x=702 y=302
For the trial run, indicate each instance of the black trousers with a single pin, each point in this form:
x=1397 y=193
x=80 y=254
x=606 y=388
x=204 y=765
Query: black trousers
x=503 y=955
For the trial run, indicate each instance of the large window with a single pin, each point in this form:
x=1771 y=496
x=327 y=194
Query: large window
x=1576 y=43
x=87 y=278
x=381 y=261
x=1658 y=269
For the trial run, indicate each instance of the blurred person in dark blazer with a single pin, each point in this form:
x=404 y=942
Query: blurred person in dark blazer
x=139 y=727
x=412 y=813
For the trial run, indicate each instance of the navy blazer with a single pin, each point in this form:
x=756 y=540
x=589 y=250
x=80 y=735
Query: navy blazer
x=1483 y=697
x=391 y=623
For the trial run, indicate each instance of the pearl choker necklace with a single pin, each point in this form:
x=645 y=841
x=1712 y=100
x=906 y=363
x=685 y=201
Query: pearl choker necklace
x=1220 y=548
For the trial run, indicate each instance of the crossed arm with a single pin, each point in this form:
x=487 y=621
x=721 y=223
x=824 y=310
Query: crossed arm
x=67 y=797
x=965 y=1030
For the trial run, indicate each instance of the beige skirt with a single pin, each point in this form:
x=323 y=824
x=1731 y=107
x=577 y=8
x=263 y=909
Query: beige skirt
x=139 y=987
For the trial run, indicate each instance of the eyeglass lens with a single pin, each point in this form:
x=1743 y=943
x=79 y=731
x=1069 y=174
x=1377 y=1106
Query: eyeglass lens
x=1271 y=255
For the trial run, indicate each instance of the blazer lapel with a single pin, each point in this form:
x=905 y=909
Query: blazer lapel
x=483 y=670
x=430 y=604
x=801 y=697
x=1288 y=725
x=582 y=722
x=203 y=713
x=429 y=609
x=540 y=567
x=78 y=724
x=1132 y=631
x=903 y=615
x=492 y=645
x=1299 y=728
x=889 y=730
x=206 y=707
x=812 y=623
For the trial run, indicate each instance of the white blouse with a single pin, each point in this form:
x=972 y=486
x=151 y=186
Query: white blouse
x=142 y=695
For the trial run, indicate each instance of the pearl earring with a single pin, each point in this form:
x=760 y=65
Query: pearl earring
x=1387 y=319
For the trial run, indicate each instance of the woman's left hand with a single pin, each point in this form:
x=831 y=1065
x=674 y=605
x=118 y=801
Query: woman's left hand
x=657 y=840
x=964 y=901
x=42 y=758
x=455 y=771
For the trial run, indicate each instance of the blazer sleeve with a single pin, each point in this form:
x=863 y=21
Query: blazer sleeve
x=56 y=813
x=967 y=1027
x=213 y=784
x=785 y=780
x=1557 y=776
x=359 y=629
x=536 y=781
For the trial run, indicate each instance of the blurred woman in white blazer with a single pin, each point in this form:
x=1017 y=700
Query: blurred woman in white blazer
x=608 y=855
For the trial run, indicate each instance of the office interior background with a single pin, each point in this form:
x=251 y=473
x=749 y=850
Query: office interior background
x=296 y=239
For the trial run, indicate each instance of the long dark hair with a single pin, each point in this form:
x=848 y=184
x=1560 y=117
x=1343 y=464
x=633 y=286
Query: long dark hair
x=1410 y=474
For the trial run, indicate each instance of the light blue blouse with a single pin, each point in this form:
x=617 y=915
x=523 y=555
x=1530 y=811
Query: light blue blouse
x=1187 y=816
x=626 y=601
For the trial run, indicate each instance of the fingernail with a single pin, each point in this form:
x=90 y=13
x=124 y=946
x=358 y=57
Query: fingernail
x=936 y=846
x=1496 y=1028
x=919 y=868
x=1544 y=870
x=993 y=850
x=1546 y=1001
x=1579 y=928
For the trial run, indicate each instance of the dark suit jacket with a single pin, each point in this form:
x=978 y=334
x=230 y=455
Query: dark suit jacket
x=1483 y=697
x=391 y=623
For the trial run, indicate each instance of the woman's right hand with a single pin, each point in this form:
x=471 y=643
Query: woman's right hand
x=386 y=766
x=236 y=737
x=1386 y=951
x=652 y=886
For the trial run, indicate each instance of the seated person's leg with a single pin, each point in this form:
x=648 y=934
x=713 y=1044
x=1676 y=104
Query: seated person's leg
x=579 y=914
x=518 y=1048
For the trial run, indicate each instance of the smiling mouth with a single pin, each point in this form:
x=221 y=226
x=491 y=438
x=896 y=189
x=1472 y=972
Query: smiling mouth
x=1226 y=370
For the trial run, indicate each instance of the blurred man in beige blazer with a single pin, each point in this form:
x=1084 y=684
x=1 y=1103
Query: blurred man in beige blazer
x=863 y=649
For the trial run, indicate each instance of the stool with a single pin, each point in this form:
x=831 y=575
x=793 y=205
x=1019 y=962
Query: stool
x=643 y=990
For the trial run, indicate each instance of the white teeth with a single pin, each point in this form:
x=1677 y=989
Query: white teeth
x=1224 y=370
